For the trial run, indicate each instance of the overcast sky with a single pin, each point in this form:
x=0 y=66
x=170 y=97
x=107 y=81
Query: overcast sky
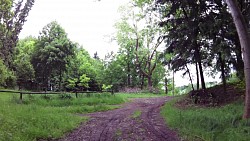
x=87 y=22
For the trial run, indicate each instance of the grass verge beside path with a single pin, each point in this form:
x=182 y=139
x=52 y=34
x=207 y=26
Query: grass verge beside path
x=51 y=116
x=208 y=124
x=39 y=116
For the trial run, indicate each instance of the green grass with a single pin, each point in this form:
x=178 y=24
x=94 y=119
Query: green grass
x=208 y=124
x=51 y=116
x=136 y=114
x=118 y=132
x=36 y=117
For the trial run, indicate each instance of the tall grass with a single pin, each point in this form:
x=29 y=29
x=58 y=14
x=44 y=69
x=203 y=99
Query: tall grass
x=51 y=116
x=208 y=124
x=47 y=117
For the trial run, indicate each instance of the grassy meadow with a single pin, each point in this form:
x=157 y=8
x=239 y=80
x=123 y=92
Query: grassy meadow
x=208 y=124
x=39 y=116
x=51 y=116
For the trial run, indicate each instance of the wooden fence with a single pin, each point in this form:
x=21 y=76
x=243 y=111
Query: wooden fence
x=51 y=93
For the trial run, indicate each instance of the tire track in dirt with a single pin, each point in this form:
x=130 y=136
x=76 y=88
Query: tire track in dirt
x=155 y=123
x=119 y=124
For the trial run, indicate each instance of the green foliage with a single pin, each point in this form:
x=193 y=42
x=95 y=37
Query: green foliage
x=13 y=14
x=51 y=54
x=139 y=37
x=3 y=73
x=222 y=123
x=233 y=78
x=7 y=78
x=72 y=83
x=114 y=73
x=140 y=3
x=106 y=87
x=22 y=59
x=158 y=76
x=83 y=70
x=82 y=82
x=190 y=42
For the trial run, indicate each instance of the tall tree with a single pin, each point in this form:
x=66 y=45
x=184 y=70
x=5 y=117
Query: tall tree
x=22 y=59
x=126 y=50
x=143 y=38
x=83 y=67
x=192 y=42
x=241 y=26
x=52 y=53
x=114 y=71
x=183 y=19
x=13 y=15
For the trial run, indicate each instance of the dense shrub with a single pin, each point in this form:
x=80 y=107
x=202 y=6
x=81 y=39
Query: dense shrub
x=8 y=78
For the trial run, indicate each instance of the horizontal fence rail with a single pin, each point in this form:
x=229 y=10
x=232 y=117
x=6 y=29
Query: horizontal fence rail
x=51 y=93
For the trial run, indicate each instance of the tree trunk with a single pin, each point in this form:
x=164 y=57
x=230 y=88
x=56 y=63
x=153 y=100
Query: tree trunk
x=190 y=78
x=149 y=75
x=198 y=57
x=239 y=62
x=60 y=80
x=197 y=76
x=223 y=77
x=240 y=66
x=244 y=37
x=166 y=85
x=142 y=81
x=173 y=84
x=128 y=74
x=203 y=85
x=198 y=60
x=150 y=83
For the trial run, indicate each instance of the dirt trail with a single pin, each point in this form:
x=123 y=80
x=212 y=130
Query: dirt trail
x=120 y=124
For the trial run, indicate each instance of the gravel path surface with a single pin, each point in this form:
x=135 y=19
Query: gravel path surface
x=122 y=124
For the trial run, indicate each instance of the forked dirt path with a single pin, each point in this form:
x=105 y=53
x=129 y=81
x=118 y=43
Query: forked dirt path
x=120 y=124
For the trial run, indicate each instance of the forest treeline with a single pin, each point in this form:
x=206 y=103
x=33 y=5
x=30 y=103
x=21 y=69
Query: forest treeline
x=154 y=37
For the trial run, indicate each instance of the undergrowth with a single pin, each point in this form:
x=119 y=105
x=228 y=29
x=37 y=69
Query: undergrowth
x=208 y=124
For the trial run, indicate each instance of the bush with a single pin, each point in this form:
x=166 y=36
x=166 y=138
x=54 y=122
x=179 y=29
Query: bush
x=7 y=79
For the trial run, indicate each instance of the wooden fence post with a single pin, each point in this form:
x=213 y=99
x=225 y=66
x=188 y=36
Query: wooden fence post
x=21 y=96
x=76 y=95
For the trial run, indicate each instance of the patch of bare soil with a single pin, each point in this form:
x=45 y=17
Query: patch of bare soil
x=120 y=124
